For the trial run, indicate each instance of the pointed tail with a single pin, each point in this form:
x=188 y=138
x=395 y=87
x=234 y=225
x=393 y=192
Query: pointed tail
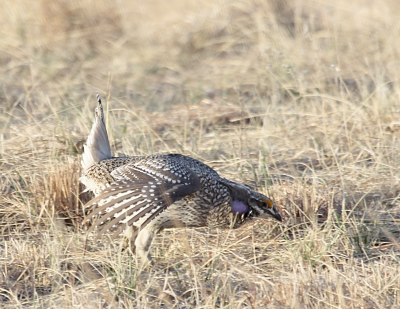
x=97 y=147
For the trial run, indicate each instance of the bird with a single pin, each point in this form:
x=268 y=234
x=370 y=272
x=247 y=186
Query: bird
x=140 y=196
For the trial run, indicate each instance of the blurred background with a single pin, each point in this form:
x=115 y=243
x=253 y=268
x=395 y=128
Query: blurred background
x=158 y=54
x=185 y=68
x=297 y=99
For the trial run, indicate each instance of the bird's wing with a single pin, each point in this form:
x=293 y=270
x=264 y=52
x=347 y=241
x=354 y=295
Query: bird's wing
x=141 y=189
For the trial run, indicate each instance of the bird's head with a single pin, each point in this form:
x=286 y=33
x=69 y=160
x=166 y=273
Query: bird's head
x=262 y=206
x=251 y=203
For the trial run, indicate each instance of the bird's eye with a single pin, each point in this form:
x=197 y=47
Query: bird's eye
x=268 y=203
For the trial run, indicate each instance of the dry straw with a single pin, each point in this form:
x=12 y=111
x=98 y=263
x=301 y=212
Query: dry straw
x=296 y=99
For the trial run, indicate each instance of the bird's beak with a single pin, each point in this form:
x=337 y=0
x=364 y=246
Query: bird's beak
x=278 y=217
x=272 y=212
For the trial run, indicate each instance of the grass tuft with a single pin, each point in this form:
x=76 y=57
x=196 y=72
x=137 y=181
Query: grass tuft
x=297 y=100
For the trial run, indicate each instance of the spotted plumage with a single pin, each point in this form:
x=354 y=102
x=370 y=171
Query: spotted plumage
x=143 y=195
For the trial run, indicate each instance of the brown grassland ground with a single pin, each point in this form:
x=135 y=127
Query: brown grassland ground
x=298 y=99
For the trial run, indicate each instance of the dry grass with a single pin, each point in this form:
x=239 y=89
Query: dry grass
x=300 y=100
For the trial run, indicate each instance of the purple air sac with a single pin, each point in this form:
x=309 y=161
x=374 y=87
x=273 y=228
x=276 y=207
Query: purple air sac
x=239 y=207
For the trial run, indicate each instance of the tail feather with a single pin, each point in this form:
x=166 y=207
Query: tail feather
x=97 y=147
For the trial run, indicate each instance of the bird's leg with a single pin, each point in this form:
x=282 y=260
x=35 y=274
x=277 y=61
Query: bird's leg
x=142 y=244
x=138 y=242
x=129 y=239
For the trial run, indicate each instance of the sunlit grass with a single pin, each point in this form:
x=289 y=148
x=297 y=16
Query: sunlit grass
x=297 y=101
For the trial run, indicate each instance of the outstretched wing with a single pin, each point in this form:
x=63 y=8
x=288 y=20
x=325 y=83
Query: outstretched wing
x=142 y=190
